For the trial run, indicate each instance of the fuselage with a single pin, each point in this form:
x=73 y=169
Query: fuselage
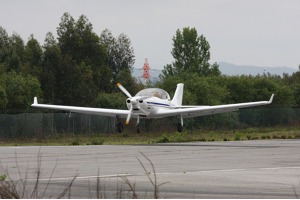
x=148 y=101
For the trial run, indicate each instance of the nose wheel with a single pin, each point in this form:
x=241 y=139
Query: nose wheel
x=179 y=127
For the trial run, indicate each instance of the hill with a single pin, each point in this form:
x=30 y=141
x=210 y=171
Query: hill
x=226 y=69
x=232 y=69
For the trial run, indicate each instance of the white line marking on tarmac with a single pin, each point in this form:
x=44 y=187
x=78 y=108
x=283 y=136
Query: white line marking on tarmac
x=169 y=173
x=244 y=169
x=85 y=177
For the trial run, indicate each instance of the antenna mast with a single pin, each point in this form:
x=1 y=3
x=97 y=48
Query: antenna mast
x=146 y=71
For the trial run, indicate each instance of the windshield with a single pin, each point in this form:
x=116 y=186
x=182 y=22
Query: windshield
x=154 y=92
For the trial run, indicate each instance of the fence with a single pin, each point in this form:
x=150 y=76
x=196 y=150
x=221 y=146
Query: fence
x=38 y=124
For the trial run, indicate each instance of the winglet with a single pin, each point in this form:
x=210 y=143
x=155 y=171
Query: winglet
x=35 y=101
x=118 y=84
x=271 y=99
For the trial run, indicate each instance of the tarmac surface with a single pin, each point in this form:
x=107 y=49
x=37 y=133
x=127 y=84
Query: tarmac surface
x=236 y=169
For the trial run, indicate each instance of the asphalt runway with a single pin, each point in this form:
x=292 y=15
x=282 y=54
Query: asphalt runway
x=239 y=169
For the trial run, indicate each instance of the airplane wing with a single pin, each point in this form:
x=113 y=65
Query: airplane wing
x=86 y=110
x=209 y=110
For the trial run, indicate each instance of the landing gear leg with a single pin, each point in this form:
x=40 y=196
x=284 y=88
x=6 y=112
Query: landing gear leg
x=138 y=128
x=180 y=125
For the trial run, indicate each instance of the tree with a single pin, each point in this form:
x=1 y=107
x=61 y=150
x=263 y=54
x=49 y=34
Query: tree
x=11 y=51
x=191 y=54
x=120 y=54
x=21 y=89
x=50 y=69
x=32 y=58
x=4 y=45
x=3 y=98
x=81 y=52
x=77 y=39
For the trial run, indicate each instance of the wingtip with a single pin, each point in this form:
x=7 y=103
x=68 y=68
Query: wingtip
x=35 y=101
x=271 y=99
x=118 y=84
x=127 y=122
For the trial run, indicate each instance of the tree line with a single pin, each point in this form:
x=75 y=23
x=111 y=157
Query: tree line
x=75 y=68
x=81 y=68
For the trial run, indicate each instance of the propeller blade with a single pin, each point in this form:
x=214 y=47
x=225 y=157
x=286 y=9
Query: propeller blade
x=129 y=115
x=124 y=90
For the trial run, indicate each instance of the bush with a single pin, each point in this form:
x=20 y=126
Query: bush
x=263 y=137
x=75 y=143
x=163 y=139
x=98 y=141
x=276 y=137
x=237 y=137
x=180 y=137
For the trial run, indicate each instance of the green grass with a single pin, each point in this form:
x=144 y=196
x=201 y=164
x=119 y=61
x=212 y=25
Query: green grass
x=162 y=137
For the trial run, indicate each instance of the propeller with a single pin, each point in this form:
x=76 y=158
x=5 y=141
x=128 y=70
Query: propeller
x=124 y=90
x=131 y=101
x=134 y=101
x=129 y=115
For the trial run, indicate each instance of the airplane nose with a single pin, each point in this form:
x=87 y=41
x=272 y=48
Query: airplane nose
x=133 y=101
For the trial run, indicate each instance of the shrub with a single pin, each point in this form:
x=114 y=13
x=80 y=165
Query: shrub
x=237 y=137
x=163 y=139
x=263 y=137
x=98 y=141
x=297 y=136
x=276 y=137
x=75 y=143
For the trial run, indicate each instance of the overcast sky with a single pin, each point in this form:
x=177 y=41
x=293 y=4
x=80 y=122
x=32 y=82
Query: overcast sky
x=245 y=32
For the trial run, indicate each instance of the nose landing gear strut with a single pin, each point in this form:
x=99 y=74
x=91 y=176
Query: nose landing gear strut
x=180 y=125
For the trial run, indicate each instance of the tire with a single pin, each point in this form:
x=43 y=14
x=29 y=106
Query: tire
x=179 y=128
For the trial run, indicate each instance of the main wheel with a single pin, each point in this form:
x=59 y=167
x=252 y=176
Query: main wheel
x=120 y=127
x=179 y=127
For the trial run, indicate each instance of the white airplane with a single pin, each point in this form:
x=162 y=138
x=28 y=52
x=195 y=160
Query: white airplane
x=154 y=103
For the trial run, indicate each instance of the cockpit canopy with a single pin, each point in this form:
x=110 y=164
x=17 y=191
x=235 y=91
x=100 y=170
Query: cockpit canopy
x=154 y=92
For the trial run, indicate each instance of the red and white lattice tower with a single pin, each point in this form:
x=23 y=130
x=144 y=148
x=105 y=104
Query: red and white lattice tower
x=146 y=71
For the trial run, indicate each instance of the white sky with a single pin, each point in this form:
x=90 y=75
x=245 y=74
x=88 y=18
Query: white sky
x=245 y=32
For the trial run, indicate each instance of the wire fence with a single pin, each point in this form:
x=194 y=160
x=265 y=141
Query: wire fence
x=33 y=124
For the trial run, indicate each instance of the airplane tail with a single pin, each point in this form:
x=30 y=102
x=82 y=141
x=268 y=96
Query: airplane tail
x=177 y=99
